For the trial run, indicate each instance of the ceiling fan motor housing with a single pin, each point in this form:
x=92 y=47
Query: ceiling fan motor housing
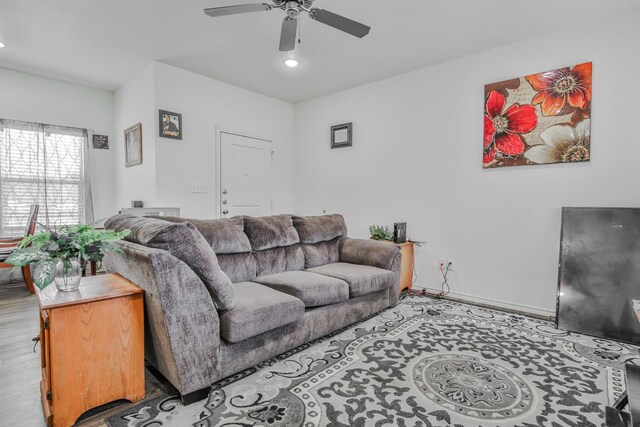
x=305 y=3
x=292 y=9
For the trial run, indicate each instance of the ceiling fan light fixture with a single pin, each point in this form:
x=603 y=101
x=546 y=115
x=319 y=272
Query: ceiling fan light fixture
x=291 y=63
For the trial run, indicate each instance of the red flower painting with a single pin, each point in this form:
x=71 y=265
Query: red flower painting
x=503 y=128
x=559 y=88
x=519 y=112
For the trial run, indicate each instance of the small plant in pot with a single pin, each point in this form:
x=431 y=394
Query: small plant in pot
x=59 y=255
x=381 y=233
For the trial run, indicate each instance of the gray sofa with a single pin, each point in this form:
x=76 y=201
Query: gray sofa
x=223 y=295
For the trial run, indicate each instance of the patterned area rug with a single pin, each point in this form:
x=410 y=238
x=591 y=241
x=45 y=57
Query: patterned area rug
x=422 y=363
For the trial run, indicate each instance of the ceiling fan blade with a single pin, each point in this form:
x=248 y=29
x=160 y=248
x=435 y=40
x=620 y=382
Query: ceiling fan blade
x=340 y=22
x=241 y=8
x=288 y=34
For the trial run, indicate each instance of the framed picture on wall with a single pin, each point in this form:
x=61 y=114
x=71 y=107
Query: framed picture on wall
x=170 y=124
x=541 y=118
x=133 y=145
x=100 y=142
x=342 y=135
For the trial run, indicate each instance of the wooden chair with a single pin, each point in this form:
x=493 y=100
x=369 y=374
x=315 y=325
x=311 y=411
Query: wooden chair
x=7 y=246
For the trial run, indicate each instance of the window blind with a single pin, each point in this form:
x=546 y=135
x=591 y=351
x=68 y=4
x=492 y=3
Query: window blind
x=42 y=164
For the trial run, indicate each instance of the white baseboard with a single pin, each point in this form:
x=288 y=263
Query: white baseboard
x=495 y=303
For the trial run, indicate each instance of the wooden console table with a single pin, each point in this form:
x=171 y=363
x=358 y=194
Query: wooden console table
x=92 y=343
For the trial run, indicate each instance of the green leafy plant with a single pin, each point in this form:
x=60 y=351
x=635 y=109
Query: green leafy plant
x=380 y=233
x=45 y=248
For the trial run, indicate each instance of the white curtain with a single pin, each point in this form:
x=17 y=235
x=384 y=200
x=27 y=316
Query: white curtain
x=89 y=217
x=45 y=165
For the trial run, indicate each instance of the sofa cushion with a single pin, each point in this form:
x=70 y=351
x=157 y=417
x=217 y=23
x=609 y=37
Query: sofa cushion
x=270 y=232
x=321 y=253
x=239 y=267
x=226 y=235
x=362 y=279
x=185 y=242
x=258 y=309
x=312 y=289
x=314 y=229
x=277 y=260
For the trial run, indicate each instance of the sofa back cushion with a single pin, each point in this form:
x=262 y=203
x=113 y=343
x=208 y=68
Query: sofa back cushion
x=226 y=235
x=275 y=244
x=315 y=229
x=320 y=238
x=239 y=267
x=321 y=253
x=278 y=260
x=230 y=243
x=185 y=242
x=270 y=232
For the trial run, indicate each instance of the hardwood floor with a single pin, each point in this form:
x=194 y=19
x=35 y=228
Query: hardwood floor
x=19 y=365
x=20 y=404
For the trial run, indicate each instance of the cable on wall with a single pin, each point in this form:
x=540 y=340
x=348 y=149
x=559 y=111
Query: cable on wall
x=444 y=286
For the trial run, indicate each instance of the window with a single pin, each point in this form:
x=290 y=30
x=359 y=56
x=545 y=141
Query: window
x=45 y=165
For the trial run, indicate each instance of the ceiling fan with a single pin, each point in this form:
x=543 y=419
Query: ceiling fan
x=293 y=8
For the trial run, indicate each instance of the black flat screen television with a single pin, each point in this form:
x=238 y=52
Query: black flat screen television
x=599 y=272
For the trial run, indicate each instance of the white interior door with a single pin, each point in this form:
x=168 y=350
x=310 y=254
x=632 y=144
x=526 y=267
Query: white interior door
x=245 y=176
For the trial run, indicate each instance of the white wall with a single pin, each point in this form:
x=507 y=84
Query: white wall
x=417 y=157
x=39 y=99
x=134 y=102
x=207 y=104
x=33 y=98
x=170 y=166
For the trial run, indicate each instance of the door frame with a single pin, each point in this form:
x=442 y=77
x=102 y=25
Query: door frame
x=218 y=165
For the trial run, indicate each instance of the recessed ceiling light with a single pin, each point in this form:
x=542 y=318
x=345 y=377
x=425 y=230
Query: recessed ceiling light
x=291 y=63
x=2 y=45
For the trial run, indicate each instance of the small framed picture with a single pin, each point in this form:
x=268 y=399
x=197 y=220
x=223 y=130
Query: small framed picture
x=133 y=145
x=342 y=135
x=170 y=124
x=101 y=142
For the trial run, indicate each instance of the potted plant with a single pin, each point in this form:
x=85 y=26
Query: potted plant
x=60 y=255
x=380 y=233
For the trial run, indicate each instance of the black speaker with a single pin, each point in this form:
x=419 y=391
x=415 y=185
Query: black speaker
x=400 y=232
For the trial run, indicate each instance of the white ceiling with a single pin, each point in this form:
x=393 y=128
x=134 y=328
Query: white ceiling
x=103 y=43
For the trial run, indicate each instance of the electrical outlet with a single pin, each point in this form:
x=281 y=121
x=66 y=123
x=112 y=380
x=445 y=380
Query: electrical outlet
x=445 y=264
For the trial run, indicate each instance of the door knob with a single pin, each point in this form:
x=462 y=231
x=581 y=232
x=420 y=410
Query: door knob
x=224 y=191
x=224 y=212
x=224 y=202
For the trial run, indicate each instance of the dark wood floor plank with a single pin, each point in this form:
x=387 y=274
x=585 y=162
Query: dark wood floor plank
x=19 y=366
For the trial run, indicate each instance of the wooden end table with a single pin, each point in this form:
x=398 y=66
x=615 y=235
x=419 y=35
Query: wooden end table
x=92 y=343
x=406 y=271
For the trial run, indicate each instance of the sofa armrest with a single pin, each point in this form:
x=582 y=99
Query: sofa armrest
x=182 y=325
x=370 y=252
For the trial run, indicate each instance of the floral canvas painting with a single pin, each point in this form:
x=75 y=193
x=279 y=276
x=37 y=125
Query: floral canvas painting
x=539 y=119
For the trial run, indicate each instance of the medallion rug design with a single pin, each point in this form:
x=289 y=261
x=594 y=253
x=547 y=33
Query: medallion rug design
x=423 y=363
